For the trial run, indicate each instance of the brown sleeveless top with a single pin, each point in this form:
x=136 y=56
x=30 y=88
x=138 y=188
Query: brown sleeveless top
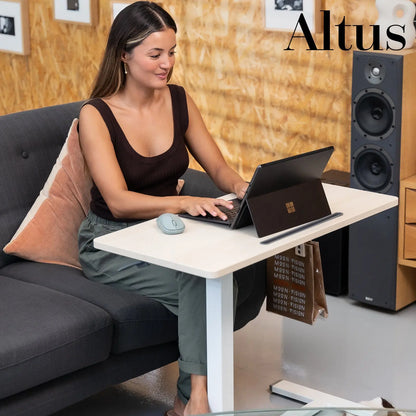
x=157 y=175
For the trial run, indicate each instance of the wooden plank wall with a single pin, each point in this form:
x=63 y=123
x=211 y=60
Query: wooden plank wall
x=259 y=101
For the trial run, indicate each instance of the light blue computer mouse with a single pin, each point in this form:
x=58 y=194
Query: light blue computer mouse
x=170 y=224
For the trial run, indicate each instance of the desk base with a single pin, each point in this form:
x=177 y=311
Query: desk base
x=316 y=398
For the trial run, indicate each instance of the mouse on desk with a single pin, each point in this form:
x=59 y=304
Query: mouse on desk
x=170 y=224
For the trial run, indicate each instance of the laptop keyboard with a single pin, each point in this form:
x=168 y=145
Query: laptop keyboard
x=231 y=213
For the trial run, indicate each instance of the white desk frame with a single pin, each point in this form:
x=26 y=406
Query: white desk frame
x=214 y=252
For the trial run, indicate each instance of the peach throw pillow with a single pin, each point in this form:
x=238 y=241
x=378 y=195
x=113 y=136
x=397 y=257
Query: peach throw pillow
x=49 y=232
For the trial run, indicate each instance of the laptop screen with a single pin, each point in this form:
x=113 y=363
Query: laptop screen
x=283 y=173
x=290 y=171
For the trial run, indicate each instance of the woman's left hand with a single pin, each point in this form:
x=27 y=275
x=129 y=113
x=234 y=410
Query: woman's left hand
x=240 y=189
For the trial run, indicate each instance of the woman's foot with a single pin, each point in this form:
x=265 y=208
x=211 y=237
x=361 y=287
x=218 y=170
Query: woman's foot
x=196 y=407
x=171 y=412
x=198 y=402
x=178 y=408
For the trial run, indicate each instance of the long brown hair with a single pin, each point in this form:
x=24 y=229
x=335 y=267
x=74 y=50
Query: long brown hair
x=130 y=27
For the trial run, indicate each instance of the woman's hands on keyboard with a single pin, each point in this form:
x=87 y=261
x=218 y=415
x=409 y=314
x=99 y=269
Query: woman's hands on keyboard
x=202 y=206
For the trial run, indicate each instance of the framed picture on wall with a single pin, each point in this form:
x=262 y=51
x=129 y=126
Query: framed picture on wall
x=284 y=14
x=77 y=11
x=117 y=7
x=14 y=27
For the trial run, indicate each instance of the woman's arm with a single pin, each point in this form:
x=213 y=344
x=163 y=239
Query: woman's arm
x=208 y=155
x=102 y=162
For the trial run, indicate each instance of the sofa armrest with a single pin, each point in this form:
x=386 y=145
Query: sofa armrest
x=198 y=183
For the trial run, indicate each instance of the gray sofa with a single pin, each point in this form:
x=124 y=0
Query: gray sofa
x=63 y=337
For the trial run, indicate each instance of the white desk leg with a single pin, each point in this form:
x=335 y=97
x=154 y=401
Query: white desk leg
x=220 y=347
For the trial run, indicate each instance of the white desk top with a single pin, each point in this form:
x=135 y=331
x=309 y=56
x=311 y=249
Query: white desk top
x=212 y=251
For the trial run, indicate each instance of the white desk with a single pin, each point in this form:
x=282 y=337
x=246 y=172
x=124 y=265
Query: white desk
x=214 y=252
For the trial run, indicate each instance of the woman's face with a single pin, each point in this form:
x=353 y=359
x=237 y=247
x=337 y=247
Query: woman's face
x=149 y=63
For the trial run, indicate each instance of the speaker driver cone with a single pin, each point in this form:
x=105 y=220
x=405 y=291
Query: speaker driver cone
x=374 y=113
x=373 y=168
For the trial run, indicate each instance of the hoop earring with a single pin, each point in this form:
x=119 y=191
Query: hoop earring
x=125 y=68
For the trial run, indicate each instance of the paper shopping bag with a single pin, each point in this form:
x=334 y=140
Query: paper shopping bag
x=295 y=284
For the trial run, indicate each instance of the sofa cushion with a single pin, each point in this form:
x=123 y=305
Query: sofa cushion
x=251 y=292
x=49 y=232
x=138 y=321
x=30 y=143
x=198 y=183
x=46 y=334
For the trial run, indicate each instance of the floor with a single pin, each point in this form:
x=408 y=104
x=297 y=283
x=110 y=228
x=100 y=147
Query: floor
x=357 y=353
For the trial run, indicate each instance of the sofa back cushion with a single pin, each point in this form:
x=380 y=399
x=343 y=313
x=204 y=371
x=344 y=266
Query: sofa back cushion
x=198 y=183
x=30 y=142
x=49 y=232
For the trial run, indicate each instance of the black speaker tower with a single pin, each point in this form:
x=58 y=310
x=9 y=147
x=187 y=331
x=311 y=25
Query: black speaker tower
x=383 y=130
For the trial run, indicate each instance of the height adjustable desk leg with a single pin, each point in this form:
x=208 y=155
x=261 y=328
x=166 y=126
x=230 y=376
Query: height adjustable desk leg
x=220 y=348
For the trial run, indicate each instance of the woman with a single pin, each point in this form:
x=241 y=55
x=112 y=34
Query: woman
x=135 y=133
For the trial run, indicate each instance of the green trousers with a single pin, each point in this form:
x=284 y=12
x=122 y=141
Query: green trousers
x=183 y=294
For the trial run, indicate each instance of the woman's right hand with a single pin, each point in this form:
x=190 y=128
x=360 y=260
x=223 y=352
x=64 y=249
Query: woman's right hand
x=201 y=206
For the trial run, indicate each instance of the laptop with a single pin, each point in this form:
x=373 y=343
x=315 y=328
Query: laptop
x=268 y=192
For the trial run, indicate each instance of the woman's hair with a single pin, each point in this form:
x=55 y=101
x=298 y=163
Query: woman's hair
x=130 y=28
